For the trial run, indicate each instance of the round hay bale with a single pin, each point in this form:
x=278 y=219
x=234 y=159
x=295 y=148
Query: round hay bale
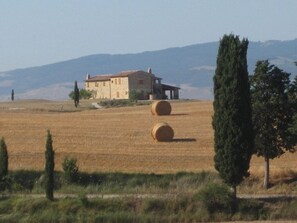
x=162 y=132
x=161 y=108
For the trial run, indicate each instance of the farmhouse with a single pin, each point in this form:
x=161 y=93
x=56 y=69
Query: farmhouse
x=121 y=85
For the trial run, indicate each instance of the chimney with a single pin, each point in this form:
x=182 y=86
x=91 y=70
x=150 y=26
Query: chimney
x=88 y=76
x=149 y=70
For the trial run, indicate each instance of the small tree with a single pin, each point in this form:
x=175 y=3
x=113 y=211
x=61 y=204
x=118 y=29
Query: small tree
x=134 y=95
x=49 y=167
x=70 y=169
x=76 y=94
x=233 y=132
x=272 y=113
x=3 y=160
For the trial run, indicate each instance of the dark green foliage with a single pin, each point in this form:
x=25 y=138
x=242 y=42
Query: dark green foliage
x=233 y=132
x=217 y=198
x=83 y=94
x=293 y=126
x=24 y=179
x=49 y=167
x=4 y=180
x=76 y=95
x=70 y=169
x=3 y=159
x=272 y=113
x=271 y=110
x=293 y=103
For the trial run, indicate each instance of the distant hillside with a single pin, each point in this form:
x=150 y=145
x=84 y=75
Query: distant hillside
x=190 y=68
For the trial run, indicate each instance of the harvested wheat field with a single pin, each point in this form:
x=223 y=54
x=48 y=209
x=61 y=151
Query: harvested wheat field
x=115 y=139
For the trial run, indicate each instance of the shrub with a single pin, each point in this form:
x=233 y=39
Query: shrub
x=154 y=205
x=70 y=169
x=134 y=95
x=250 y=209
x=83 y=94
x=216 y=197
x=83 y=199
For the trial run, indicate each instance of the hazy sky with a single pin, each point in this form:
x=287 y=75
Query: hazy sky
x=38 y=32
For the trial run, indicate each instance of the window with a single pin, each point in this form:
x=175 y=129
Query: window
x=103 y=83
x=140 y=82
x=96 y=84
x=116 y=81
x=118 y=94
x=119 y=80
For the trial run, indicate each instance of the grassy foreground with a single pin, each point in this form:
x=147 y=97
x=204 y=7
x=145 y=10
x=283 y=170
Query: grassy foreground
x=178 y=209
x=181 y=197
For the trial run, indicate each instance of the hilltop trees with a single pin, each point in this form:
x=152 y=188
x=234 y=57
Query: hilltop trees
x=233 y=132
x=76 y=94
x=272 y=113
x=49 y=167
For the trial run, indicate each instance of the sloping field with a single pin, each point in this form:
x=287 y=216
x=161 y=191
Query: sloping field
x=115 y=139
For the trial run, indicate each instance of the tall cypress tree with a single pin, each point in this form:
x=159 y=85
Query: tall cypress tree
x=3 y=159
x=76 y=94
x=233 y=132
x=12 y=95
x=49 y=167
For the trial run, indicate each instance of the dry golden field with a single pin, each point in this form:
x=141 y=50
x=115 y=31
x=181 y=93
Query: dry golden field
x=115 y=139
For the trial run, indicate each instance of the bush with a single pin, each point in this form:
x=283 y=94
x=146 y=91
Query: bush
x=116 y=103
x=134 y=95
x=83 y=94
x=250 y=209
x=216 y=197
x=70 y=169
x=154 y=205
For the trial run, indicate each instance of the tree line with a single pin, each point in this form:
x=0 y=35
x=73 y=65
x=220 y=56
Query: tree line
x=254 y=114
x=69 y=167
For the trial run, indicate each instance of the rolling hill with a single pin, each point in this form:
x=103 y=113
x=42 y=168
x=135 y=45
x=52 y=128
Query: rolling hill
x=190 y=67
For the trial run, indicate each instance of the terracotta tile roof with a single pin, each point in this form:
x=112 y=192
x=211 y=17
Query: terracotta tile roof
x=129 y=72
x=106 y=77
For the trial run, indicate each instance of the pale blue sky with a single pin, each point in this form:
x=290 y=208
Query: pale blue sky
x=38 y=32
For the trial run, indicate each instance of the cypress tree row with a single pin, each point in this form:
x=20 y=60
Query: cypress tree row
x=49 y=167
x=76 y=94
x=3 y=159
x=233 y=131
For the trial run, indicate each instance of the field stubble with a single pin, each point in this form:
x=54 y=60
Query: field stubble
x=118 y=139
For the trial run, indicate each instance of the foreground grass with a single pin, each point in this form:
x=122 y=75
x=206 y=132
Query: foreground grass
x=194 y=197
x=112 y=183
x=24 y=181
x=178 y=209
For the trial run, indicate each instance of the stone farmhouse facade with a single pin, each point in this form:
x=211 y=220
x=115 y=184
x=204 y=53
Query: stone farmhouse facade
x=120 y=86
